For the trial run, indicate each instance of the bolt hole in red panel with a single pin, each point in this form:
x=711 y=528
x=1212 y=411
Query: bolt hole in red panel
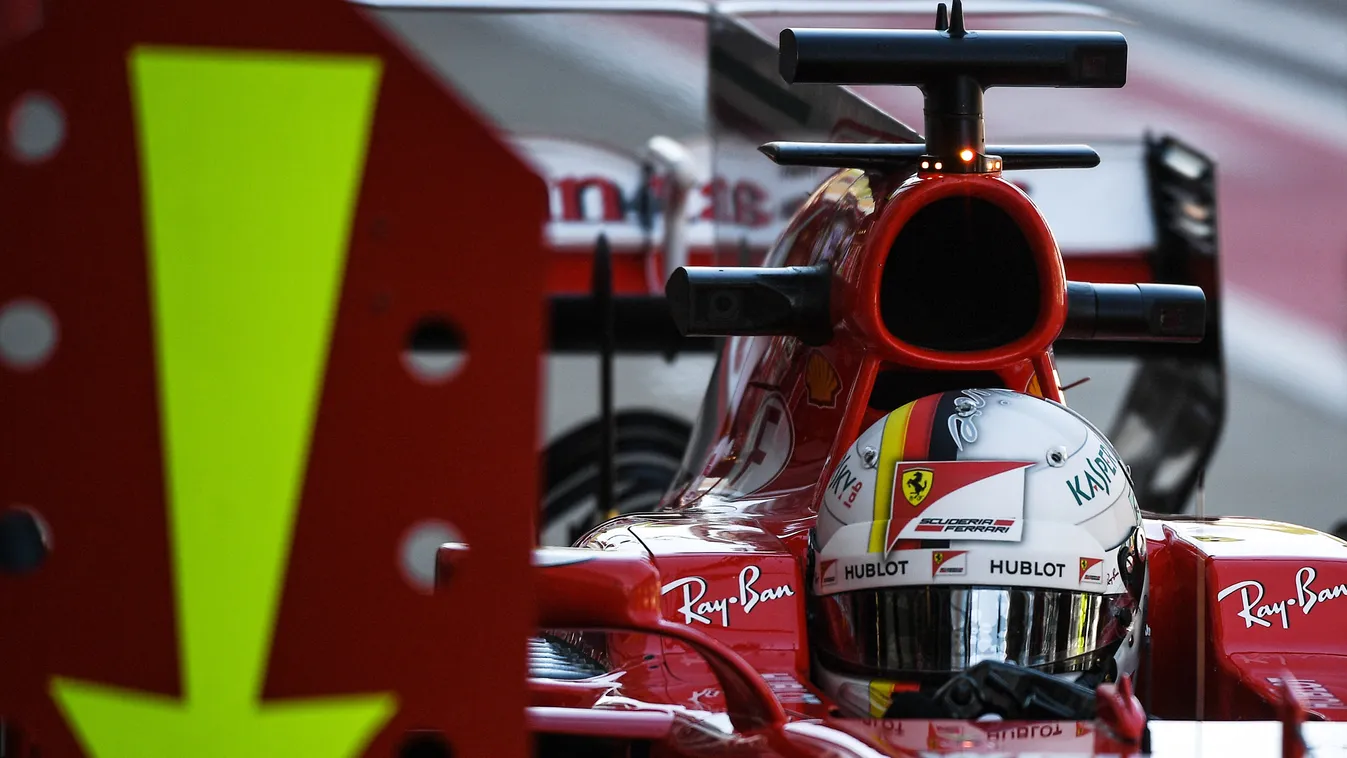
x=435 y=350
x=248 y=249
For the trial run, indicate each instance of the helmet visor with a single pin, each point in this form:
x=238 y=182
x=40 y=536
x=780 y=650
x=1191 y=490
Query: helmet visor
x=937 y=630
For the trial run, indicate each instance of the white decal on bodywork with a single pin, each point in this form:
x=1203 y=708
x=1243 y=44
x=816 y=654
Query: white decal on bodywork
x=696 y=610
x=1256 y=612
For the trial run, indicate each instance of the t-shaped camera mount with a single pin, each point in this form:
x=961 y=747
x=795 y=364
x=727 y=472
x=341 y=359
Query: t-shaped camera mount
x=953 y=67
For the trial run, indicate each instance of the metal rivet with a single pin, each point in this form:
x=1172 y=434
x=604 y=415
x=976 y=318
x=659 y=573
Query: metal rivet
x=36 y=127
x=435 y=351
x=870 y=457
x=1057 y=457
x=420 y=544
x=28 y=334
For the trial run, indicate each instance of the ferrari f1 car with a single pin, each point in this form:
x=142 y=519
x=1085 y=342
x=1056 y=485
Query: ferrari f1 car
x=889 y=535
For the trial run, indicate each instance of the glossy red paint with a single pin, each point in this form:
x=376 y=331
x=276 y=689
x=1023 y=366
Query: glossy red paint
x=756 y=603
x=1291 y=713
x=860 y=304
x=799 y=697
x=1231 y=577
x=1120 y=712
x=598 y=590
x=602 y=589
x=559 y=693
x=637 y=725
x=82 y=441
x=912 y=737
x=1320 y=688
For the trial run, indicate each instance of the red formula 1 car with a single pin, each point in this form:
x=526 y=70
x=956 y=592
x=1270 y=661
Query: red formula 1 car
x=918 y=283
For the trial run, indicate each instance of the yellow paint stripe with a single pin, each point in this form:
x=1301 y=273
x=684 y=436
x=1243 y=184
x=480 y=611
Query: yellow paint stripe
x=881 y=696
x=890 y=453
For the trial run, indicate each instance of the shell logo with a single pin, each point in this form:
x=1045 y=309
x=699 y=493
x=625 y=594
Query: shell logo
x=821 y=381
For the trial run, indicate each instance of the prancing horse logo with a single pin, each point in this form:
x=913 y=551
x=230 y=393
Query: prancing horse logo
x=917 y=484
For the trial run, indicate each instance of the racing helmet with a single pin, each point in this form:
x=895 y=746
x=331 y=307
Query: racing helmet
x=969 y=526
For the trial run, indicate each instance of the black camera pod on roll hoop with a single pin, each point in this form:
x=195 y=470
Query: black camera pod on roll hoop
x=731 y=302
x=1174 y=410
x=953 y=67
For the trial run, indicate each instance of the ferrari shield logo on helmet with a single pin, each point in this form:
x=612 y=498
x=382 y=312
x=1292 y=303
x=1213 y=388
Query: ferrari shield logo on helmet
x=976 y=500
x=917 y=484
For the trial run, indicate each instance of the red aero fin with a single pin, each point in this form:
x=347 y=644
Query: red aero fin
x=1121 y=712
x=1292 y=714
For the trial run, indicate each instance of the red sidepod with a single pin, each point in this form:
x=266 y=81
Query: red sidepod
x=727 y=579
x=620 y=591
x=1271 y=598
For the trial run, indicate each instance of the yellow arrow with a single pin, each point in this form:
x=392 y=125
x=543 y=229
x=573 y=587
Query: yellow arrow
x=250 y=164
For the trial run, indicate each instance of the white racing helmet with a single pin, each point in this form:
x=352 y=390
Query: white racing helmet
x=970 y=526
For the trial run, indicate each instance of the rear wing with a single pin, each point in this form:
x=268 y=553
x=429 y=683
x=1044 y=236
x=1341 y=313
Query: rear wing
x=1174 y=411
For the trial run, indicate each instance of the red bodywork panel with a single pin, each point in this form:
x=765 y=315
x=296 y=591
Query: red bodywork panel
x=1273 y=603
x=81 y=440
x=1244 y=674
